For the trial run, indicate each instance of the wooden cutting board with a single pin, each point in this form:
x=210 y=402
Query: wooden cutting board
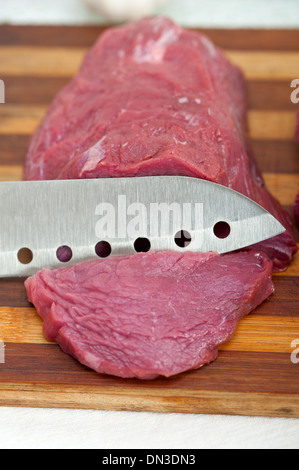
x=254 y=374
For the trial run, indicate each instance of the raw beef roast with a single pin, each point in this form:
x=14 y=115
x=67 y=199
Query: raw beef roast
x=149 y=314
x=153 y=99
x=296 y=203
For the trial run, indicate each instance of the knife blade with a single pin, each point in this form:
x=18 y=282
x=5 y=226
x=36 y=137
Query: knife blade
x=59 y=223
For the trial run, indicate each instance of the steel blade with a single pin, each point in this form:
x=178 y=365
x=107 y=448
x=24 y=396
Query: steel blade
x=43 y=216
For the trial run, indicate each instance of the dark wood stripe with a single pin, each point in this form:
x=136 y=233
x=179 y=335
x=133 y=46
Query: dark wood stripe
x=13 y=149
x=284 y=302
x=50 y=36
x=254 y=39
x=32 y=90
x=85 y=36
x=234 y=371
x=13 y=293
x=262 y=95
x=276 y=156
x=270 y=95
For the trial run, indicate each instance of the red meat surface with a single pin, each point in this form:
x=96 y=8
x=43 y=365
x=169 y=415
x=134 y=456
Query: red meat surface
x=149 y=314
x=153 y=99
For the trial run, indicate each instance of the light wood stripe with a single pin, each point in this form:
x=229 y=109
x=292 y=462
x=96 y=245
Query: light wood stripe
x=22 y=120
x=264 y=334
x=105 y=398
x=282 y=186
x=40 y=61
x=263 y=125
x=84 y=36
x=270 y=65
x=65 y=62
x=20 y=325
x=11 y=172
x=254 y=332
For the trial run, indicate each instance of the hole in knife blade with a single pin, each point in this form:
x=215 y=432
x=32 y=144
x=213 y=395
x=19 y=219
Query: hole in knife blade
x=64 y=254
x=142 y=245
x=222 y=230
x=182 y=238
x=25 y=255
x=103 y=249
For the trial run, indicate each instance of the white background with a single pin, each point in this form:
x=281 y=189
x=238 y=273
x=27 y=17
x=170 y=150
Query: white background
x=217 y=13
x=51 y=428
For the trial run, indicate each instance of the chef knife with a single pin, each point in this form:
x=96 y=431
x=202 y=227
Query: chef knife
x=59 y=223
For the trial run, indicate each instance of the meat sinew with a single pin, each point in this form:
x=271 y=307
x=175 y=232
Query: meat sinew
x=149 y=314
x=153 y=99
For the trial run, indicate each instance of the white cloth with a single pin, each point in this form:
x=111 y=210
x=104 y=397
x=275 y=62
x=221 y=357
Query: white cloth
x=54 y=428
x=91 y=429
x=193 y=13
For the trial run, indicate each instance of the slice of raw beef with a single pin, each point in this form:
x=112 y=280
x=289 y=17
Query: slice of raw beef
x=149 y=314
x=153 y=99
x=296 y=203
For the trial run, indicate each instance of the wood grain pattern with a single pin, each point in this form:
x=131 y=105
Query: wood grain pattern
x=262 y=94
x=65 y=62
x=282 y=186
x=237 y=383
x=40 y=61
x=11 y=172
x=21 y=325
x=254 y=374
x=85 y=36
x=254 y=333
x=240 y=371
x=283 y=303
x=266 y=124
x=270 y=65
x=24 y=119
x=271 y=155
x=20 y=119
